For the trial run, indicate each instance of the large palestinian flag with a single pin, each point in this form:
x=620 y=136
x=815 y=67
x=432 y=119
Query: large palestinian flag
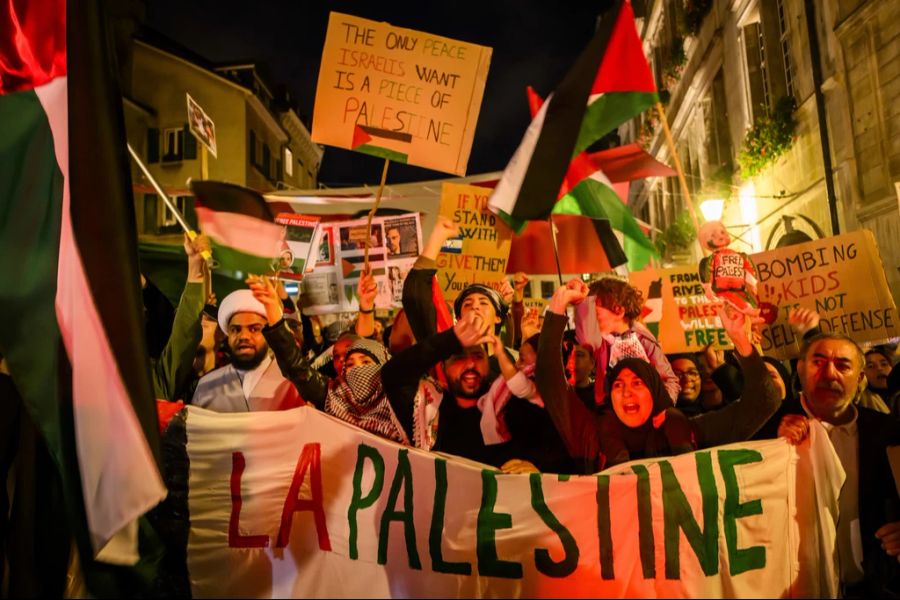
x=610 y=83
x=72 y=328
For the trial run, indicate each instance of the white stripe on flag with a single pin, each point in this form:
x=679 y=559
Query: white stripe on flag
x=119 y=476
x=241 y=232
x=507 y=191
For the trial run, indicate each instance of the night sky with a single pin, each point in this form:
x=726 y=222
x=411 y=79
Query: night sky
x=534 y=43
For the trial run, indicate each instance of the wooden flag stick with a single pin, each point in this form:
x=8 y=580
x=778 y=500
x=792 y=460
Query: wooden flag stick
x=684 y=186
x=555 y=248
x=372 y=214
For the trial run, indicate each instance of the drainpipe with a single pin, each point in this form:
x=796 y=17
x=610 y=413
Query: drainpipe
x=812 y=32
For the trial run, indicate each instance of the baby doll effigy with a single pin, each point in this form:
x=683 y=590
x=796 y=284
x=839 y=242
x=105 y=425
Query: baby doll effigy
x=727 y=274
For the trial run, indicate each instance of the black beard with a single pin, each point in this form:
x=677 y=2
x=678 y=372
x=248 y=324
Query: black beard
x=457 y=391
x=250 y=363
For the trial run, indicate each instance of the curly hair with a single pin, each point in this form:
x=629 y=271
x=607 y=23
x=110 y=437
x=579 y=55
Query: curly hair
x=613 y=293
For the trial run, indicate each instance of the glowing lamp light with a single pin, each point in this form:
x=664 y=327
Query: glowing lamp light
x=712 y=209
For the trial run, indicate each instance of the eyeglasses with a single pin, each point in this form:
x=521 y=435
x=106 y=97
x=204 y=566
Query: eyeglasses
x=693 y=373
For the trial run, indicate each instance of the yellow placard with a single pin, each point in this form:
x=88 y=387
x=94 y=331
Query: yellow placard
x=398 y=93
x=481 y=252
x=841 y=277
x=677 y=311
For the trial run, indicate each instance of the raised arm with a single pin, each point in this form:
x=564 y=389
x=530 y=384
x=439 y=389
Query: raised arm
x=575 y=423
x=417 y=298
x=401 y=374
x=312 y=385
x=366 y=289
x=759 y=399
x=175 y=365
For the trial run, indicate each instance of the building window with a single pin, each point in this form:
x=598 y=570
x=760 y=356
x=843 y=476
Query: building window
x=266 y=161
x=765 y=35
x=715 y=121
x=288 y=162
x=173 y=142
x=783 y=28
x=168 y=221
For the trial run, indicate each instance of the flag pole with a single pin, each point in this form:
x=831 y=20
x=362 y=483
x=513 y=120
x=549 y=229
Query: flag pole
x=555 y=248
x=192 y=235
x=372 y=214
x=681 y=179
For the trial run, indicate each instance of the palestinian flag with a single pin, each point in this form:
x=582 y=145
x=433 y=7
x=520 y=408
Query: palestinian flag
x=240 y=226
x=608 y=84
x=73 y=331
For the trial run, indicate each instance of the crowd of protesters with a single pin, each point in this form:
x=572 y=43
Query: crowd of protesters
x=524 y=392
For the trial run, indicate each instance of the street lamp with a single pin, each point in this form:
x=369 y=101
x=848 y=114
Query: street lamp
x=712 y=209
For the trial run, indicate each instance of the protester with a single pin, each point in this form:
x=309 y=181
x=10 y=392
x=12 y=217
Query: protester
x=253 y=381
x=418 y=292
x=447 y=420
x=617 y=305
x=630 y=430
x=173 y=371
x=878 y=368
x=830 y=369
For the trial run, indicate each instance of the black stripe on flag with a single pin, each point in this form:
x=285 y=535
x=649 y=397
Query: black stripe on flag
x=227 y=197
x=102 y=208
x=562 y=122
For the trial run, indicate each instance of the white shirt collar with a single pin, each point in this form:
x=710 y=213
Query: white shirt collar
x=849 y=426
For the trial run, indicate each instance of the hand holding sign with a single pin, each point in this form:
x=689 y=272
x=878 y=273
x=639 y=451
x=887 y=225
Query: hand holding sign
x=367 y=289
x=735 y=324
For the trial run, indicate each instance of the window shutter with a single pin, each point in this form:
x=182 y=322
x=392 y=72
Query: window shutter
x=152 y=145
x=190 y=144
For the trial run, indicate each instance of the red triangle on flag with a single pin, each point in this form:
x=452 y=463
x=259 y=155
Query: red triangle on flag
x=360 y=137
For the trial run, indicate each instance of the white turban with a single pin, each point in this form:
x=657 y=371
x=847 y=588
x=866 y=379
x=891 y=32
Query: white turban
x=236 y=302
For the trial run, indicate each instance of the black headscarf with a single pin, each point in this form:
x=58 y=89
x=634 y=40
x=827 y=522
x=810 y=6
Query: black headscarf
x=620 y=443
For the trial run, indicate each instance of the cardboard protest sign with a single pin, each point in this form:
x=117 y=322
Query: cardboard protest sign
x=394 y=245
x=841 y=277
x=481 y=252
x=300 y=233
x=400 y=94
x=677 y=311
x=201 y=125
x=299 y=504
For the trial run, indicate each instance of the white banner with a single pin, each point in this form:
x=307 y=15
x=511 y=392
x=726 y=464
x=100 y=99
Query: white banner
x=298 y=504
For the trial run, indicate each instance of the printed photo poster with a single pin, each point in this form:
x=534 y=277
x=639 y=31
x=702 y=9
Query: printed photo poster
x=300 y=232
x=481 y=252
x=201 y=125
x=841 y=277
x=394 y=243
x=399 y=94
x=677 y=311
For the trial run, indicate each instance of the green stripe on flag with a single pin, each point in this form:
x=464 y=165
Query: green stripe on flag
x=608 y=112
x=592 y=198
x=31 y=192
x=393 y=155
x=230 y=259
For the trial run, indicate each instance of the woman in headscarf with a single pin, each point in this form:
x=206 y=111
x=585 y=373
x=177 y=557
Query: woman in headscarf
x=642 y=423
x=359 y=398
x=356 y=395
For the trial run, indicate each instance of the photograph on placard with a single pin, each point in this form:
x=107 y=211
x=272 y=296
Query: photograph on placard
x=401 y=237
x=320 y=289
x=325 y=247
x=354 y=237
